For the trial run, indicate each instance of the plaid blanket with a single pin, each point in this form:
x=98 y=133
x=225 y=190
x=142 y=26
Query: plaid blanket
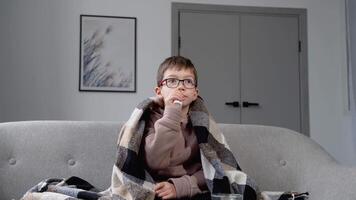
x=130 y=180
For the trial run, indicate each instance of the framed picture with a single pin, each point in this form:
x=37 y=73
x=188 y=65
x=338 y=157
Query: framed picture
x=107 y=53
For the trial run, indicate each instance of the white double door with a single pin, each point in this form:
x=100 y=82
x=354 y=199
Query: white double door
x=248 y=65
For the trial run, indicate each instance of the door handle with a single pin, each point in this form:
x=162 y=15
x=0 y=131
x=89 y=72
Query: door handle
x=234 y=104
x=248 y=104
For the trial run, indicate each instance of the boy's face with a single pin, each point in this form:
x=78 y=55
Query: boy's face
x=181 y=92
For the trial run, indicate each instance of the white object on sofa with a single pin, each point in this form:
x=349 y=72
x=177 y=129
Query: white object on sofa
x=278 y=159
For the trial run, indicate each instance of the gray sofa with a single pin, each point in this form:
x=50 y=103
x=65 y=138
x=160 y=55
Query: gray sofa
x=277 y=158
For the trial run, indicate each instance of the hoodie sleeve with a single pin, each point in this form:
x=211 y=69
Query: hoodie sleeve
x=186 y=186
x=161 y=138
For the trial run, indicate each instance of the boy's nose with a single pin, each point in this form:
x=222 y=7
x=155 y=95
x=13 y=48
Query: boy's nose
x=181 y=86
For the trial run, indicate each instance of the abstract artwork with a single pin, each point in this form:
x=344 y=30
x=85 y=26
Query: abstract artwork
x=107 y=53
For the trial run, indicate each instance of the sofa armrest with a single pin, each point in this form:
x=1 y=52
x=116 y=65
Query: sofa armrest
x=332 y=181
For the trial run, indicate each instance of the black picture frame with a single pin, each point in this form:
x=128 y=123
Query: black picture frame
x=107 y=53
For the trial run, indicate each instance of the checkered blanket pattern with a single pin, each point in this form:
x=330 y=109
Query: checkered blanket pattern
x=221 y=170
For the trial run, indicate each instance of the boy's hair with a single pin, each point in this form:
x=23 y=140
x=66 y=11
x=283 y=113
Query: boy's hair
x=176 y=62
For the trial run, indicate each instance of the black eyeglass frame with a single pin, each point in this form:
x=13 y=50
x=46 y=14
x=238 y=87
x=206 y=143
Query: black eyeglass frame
x=179 y=80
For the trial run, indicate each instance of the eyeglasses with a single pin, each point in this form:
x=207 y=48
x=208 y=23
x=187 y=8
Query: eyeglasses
x=174 y=82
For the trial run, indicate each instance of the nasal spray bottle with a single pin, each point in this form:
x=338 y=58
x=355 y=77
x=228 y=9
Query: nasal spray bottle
x=178 y=102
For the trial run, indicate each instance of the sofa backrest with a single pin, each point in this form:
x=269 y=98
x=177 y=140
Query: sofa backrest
x=278 y=159
x=33 y=151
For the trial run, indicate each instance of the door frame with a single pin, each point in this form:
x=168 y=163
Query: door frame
x=300 y=13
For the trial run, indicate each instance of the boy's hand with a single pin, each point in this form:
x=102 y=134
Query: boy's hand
x=165 y=190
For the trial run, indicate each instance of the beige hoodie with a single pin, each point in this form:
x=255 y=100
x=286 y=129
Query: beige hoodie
x=172 y=151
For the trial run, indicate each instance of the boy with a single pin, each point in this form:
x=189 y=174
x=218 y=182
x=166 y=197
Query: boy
x=170 y=146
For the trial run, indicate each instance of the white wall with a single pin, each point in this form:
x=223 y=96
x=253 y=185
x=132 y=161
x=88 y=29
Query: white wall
x=40 y=65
